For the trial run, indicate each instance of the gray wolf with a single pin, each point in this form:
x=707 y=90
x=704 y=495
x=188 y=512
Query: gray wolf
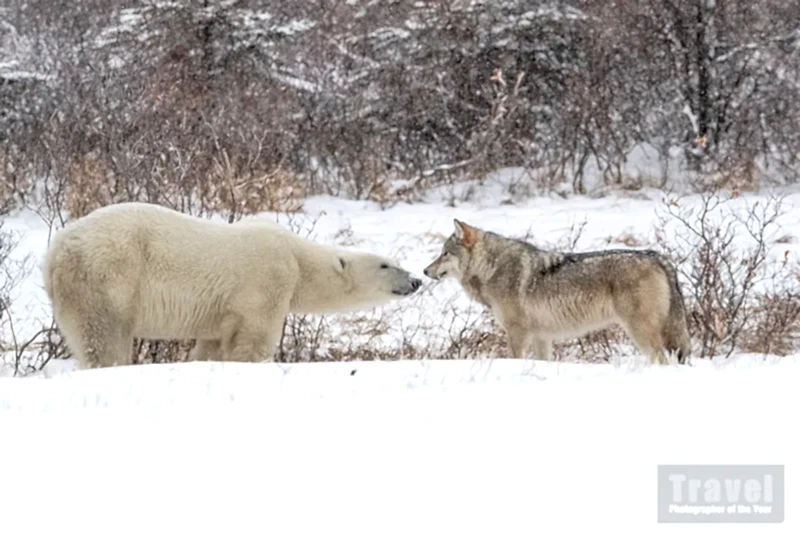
x=540 y=296
x=141 y=270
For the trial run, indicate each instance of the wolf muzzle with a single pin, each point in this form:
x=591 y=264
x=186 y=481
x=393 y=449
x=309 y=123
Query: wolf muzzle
x=429 y=272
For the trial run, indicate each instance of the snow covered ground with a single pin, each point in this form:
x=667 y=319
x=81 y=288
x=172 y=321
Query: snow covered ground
x=409 y=446
x=406 y=446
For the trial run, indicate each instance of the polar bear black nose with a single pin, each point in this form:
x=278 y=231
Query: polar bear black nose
x=415 y=283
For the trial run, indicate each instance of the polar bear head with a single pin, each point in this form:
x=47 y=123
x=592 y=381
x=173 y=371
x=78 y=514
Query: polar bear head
x=371 y=278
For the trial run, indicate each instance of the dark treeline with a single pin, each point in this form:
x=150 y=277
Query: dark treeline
x=238 y=101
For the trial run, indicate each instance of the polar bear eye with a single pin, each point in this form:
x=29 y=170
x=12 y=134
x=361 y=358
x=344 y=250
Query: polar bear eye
x=384 y=266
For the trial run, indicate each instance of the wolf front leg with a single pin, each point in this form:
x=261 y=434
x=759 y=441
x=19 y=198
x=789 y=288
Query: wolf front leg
x=542 y=349
x=519 y=340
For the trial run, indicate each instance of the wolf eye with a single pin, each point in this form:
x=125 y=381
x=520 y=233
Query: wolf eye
x=384 y=266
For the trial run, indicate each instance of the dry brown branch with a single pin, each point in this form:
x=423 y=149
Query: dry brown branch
x=724 y=277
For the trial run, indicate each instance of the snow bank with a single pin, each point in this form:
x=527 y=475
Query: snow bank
x=423 y=446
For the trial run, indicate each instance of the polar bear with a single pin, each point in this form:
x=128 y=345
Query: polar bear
x=142 y=270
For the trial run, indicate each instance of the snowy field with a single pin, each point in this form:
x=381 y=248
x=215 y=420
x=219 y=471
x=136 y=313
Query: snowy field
x=411 y=446
x=407 y=446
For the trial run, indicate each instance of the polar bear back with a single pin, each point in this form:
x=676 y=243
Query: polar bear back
x=172 y=274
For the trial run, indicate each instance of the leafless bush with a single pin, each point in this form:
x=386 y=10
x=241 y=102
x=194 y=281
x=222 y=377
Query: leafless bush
x=735 y=290
x=13 y=272
x=302 y=338
x=160 y=351
x=470 y=333
x=33 y=354
x=775 y=327
x=26 y=352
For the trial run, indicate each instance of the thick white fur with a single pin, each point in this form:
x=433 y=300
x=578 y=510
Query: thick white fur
x=141 y=270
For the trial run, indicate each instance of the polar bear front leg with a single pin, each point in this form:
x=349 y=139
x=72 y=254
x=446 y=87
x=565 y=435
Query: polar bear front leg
x=206 y=350
x=255 y=343
x=274 y=334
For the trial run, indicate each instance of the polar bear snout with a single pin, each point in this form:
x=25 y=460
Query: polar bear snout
x=416 y=283
x=410 y=286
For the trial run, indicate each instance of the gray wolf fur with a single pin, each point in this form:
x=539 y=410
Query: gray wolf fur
x=141 y=270
x=541 y=296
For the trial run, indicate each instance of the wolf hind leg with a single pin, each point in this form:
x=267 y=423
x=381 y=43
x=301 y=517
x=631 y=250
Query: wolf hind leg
x=675 y=334
x=647 y=338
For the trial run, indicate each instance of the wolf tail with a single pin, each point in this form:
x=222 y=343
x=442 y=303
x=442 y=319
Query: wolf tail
x=676 y=328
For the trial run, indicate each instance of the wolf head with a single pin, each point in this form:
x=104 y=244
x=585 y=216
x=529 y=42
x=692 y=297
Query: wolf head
x=455 y=253
x=377 y=276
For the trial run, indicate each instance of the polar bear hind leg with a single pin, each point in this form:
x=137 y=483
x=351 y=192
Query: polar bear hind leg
x=97 y=338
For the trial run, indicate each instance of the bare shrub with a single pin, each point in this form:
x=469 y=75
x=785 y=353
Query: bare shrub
x=628 y=239
x=722 y=253
x=13 y=271
x=161 y=351
x=735 y=176
x=302 y=339
x=775 y=326
x=9 y=186
x=33 y=354
x=470 y=333
x=245 y=194
x=88 y=187
x=603 y=345
x=27 y=352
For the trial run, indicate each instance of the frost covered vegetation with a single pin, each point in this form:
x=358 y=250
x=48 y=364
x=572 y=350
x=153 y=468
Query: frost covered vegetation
x=238 y=107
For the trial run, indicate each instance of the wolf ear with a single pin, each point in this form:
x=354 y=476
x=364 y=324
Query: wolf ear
x=468 y=235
